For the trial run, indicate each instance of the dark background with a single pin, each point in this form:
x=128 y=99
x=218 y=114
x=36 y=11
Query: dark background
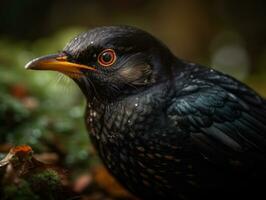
x=45 y=110
x=190 y=28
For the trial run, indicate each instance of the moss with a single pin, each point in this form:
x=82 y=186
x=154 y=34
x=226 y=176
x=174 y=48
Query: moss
x=22 y=191
x=48 y=180
x=39 y=185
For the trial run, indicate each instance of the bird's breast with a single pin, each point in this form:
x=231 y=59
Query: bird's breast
x=135 y=142
x=116 y=122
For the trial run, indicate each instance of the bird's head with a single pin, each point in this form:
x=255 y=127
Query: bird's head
x=111 y=62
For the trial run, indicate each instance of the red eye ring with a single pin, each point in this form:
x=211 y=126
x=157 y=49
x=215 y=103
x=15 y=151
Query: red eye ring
x=107 y=57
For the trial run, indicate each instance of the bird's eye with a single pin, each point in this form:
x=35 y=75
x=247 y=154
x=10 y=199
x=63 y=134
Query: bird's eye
x=107 y=57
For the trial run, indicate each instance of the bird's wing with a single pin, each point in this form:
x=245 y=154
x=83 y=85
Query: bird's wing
x=225 y=119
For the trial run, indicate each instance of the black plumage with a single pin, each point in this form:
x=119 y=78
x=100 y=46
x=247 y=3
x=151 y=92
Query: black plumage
x=166 y=128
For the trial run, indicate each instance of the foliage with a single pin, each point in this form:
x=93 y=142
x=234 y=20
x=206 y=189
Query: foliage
x=37 y=109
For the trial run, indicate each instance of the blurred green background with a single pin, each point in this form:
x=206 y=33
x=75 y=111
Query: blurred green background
x=45 y=110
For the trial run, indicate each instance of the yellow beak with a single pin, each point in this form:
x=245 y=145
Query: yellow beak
x=58 y=62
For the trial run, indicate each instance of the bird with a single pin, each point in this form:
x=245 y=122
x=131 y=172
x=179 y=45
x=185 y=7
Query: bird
x=164 y=127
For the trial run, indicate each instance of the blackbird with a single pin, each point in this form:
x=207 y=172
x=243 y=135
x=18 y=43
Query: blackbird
x=164 y=127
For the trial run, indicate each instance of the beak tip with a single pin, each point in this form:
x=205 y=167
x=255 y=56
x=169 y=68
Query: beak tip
x=40 y=62
x=27 y=66
x=30 y=64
